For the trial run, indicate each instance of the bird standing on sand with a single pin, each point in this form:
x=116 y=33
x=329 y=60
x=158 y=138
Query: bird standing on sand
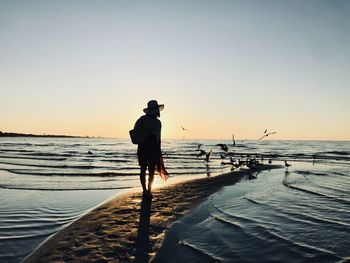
x=287 y=164
x=270 y=160
x=262 y=158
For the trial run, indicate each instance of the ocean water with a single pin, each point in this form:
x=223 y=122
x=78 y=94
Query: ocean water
x=46 y=183
x=299 y=214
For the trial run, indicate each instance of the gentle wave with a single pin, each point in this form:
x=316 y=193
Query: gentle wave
x=24 y=237
x=63 y=189
x=310 y=173
x=294 y=215
x=34 y=158
x=252 y=200
x=58 y=166
x=336 y=199
x=270 y=234
x=101 y=174
x=336 y=152
x=202 y=252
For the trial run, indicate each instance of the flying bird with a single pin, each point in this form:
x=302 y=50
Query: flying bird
x=267 y=134
x=201 y=153
x=235 y=166
x=184 y=130
x=222 y=155
x=207 y=156
x=223 y=147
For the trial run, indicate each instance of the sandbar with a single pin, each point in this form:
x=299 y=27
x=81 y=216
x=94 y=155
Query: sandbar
x=131 y=228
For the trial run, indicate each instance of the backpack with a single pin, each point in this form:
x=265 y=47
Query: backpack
x=138 y=135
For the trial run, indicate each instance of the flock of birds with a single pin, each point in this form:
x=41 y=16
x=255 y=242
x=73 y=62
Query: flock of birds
x=248 y=160
x=266 y=134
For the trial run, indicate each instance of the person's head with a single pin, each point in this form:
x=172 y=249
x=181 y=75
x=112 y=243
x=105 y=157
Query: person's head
x=153 y=108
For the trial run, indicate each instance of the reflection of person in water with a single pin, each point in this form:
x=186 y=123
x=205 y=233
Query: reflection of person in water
x=149 y=152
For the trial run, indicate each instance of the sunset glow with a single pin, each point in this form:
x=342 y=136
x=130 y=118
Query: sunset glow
x=89 y=67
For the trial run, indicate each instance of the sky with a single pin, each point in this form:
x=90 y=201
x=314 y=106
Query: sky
x=220 y=67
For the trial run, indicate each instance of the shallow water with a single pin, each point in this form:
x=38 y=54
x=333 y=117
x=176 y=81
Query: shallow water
x=299 y=215
x=29 y=217
x=46 y=183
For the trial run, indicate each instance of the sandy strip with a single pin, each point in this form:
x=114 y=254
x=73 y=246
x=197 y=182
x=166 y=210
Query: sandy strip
x=129 y=229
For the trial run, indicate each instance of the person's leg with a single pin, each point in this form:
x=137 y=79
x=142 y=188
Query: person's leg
x=151 y=169
x=143 y=178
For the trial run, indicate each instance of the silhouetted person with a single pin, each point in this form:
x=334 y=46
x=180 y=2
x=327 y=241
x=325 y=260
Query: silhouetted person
x=149 y=152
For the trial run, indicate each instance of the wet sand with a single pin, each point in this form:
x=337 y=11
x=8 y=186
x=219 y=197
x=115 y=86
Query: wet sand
x=129 y=228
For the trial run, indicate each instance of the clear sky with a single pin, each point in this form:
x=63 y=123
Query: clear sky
x=89 y=67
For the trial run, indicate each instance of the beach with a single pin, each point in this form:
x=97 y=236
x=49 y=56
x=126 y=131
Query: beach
x=130 y=228
x=83 y=207
x=243 y=104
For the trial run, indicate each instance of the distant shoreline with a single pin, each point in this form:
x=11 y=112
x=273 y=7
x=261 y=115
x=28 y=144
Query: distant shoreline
x=13 y=134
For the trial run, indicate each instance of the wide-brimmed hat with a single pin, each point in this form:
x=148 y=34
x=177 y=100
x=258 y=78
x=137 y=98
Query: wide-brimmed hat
x=153 y=107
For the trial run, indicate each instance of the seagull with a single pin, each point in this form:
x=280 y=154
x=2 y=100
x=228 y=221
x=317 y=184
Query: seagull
x=237 y=165
x=262 y=158
x=223 y=147
x=287 y=164
x=207 y=156
x=201 y=153
x=267 y=134
x=241 y=163
x=184 y=130
x=222 y=155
